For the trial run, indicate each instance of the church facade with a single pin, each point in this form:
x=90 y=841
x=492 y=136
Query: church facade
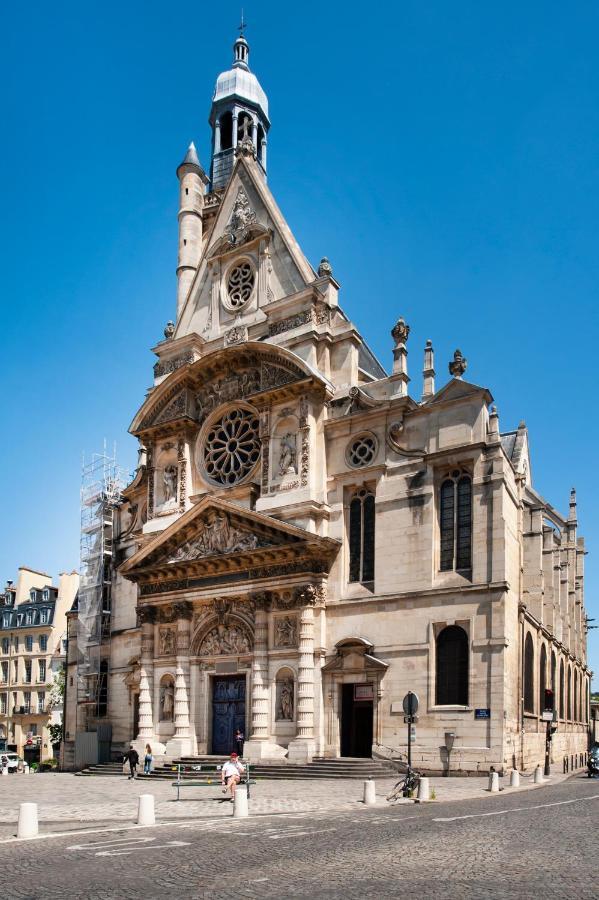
x=305 y=540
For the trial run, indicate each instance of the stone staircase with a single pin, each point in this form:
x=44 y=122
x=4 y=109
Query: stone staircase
x=344 y=767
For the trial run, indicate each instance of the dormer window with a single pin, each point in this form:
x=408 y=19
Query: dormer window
x=32 y=595
x=19 y=618
x=44 y=616
x=6 y=621
x=29 y=619
x=46 y=595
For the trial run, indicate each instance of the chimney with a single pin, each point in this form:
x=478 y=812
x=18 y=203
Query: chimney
x=428 y=372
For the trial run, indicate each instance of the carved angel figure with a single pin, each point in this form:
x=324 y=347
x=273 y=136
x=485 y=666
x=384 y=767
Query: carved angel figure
x=169 y=479
x=288 y=455
x=167 y=702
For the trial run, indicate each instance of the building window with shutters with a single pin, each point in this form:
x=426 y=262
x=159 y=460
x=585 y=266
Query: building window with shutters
x=452 y=657
x=361 y=537
x=455 y=522
x=42 y=665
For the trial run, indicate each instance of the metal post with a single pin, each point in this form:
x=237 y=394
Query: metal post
x=547 y=769
x=410 y=718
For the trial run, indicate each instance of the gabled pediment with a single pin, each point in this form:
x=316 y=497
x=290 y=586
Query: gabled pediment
x=216 y=537
x=458 y=389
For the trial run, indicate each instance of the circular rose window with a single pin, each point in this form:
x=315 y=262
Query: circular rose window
x=362 y=451
x=231 y=446
x=240 y=284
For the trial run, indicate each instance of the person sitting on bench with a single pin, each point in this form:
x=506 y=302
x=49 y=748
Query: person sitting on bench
x=230 y=774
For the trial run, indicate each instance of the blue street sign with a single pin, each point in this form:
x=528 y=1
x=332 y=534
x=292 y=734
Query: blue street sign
x=482 y=713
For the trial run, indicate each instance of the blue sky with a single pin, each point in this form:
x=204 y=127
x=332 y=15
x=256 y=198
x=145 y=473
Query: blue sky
x=444 y=156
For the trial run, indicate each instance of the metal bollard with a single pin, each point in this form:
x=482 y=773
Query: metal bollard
x=538 y=779
x=145 y=810
x=240 y=802
x=369 y=792
x=424 y=792
x=515 y=778
x=494 y=782
x=27 y=827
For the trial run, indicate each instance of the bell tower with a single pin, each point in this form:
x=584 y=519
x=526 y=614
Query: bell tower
x=239 y=113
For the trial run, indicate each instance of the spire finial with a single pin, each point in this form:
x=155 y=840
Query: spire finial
x=241 y=48
x=242 y=24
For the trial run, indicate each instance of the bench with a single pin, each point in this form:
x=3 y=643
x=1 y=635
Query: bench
x=210 y=776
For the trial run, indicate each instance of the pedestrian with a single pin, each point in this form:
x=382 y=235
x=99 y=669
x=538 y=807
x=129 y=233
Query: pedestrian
x=132 y=757
x=230 y=774
x=148 y=760
x=239 y=741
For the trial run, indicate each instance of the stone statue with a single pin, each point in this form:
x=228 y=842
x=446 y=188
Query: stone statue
x=285 y=710
x=285 y=632
x=167 y=701
x=288 y=455
x=167 y=641
x=169 y=479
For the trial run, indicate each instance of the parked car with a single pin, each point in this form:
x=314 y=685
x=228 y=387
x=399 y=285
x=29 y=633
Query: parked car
x=593 y=762
x=12 y=759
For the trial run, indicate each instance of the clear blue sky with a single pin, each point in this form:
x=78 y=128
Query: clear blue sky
x=444 y=156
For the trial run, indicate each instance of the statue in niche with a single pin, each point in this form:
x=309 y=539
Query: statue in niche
x=167 y=701
x=169 y=481
x=285 y=704
x=167 y=641
x=285 y=632
x=288 y=455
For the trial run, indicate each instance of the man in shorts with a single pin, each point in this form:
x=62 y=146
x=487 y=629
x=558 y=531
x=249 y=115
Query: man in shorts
x=230 y=774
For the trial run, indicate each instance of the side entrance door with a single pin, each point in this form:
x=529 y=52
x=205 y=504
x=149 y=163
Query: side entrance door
x=228 y=711
x=356 y=722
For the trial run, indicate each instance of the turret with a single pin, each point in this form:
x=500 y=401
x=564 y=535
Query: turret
x=192 y=182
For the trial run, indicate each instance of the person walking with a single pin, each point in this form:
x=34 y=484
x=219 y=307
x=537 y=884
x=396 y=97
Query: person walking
x=239 y=741
x=148 y=760
x=230 y=774
x=132 y=757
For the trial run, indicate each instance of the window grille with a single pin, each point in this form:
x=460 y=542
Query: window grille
x=452 y=667
x=361 y=537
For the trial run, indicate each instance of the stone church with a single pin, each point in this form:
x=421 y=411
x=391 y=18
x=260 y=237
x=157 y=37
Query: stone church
x=307 y=537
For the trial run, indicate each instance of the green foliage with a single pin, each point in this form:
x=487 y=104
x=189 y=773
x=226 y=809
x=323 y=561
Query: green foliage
x=433 y=794
x=55 y=731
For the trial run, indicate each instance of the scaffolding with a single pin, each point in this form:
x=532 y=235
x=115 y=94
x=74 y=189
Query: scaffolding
x=102 y=483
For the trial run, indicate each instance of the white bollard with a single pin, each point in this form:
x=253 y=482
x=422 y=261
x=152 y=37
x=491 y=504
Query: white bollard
x=27 y=827
x=369 y=792
x=240 y=803
x=4 y=770
x=494 y=782
x=145 y=810
x=539 y=775
x=424 y=792
x=515 y=778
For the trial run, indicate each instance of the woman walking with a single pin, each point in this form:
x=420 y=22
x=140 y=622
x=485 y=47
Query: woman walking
x=148 y=760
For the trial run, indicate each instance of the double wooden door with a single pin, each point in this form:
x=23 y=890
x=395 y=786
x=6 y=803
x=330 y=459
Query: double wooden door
x=228 y=712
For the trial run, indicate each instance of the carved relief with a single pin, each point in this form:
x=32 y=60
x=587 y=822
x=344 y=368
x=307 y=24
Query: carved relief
x=318 y=314
x=150 y=458
x=285 y=631
x=238 y=334
x=215 y=538
x=288 y=454
x=167 y=641
x=182 y=475
x=284 y=600
x=171 y=365
x=241 y=218
x=225 y=640
x=305 y=435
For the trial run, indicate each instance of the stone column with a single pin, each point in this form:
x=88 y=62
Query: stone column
x=181 y=744
x=147 y=618
x=259 y=746
x=303 y=748
x=235 y=127
x=217 y=136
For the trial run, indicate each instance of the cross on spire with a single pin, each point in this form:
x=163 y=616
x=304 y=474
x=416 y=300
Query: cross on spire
x=242 y=24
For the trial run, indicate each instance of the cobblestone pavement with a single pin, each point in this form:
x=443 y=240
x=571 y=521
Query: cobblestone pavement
x=531 y=844
x=67 y=802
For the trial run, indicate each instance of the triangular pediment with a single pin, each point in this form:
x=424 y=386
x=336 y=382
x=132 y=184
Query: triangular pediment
x=248 y=223
x=458 y=389
x=217 y=536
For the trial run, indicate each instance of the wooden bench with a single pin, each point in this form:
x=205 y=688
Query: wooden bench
x=210 y=776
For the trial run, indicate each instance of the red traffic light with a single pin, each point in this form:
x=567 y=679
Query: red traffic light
x=549 y=700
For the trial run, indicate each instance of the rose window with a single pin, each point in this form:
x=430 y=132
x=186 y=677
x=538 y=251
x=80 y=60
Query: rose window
x=240 y=285
x=232 y=446
x=362 y=451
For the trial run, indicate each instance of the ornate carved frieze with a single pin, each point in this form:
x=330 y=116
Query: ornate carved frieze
x=151 y=470
x=182 y=610
x=311 y=595
x=317 y=314
x=305 y=441
x=176 y=403
x=238 y=334
x=215 y=538
x=182 y=475
x=165 y=367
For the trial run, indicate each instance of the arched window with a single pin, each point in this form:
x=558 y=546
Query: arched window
x=455 y=521
x=562 y=700
x=361 y=537
x=226 y=131
x=553 y=676
x=569 y=689
x=529 y=675
x=452 y=667
x=542 y=678
x=586 y=702
x=575 y=714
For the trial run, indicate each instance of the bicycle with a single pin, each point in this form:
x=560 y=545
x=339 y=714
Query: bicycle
x=405 y=787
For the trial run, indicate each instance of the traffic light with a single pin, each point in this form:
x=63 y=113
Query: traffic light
x=549 y=700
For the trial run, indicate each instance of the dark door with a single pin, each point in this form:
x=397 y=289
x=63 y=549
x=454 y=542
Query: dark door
x=356 y=724
x=228 y=711
x=135 y=716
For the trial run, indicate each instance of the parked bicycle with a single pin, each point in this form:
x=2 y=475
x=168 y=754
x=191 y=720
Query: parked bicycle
x=407 y=786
